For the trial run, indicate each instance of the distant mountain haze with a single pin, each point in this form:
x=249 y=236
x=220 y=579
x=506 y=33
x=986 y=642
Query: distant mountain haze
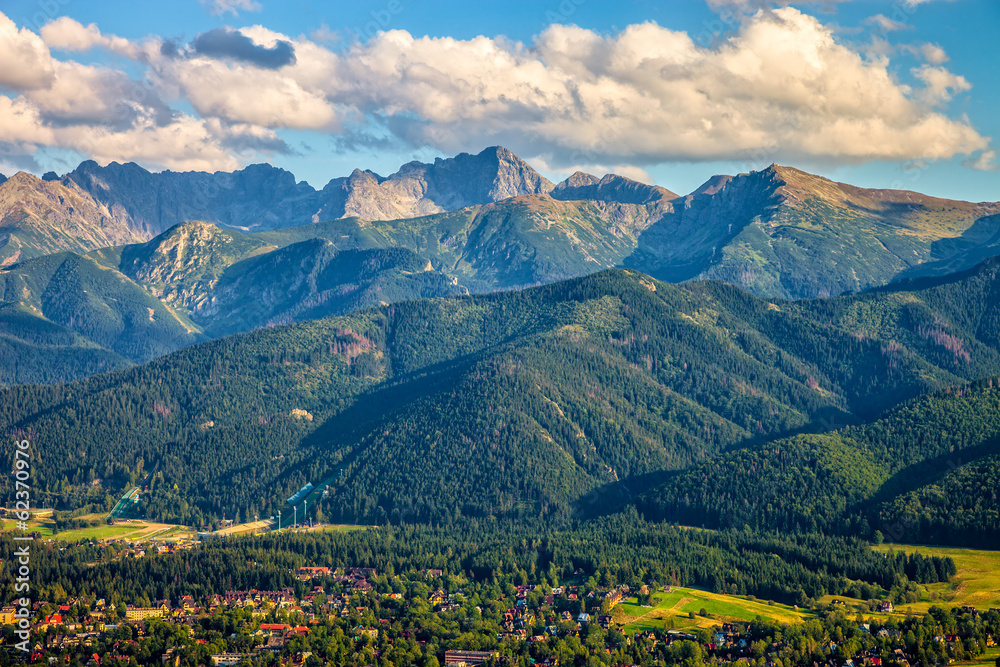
x=145 y=263
x=778 y=232
x=262 y=197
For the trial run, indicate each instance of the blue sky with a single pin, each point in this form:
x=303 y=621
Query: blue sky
x=880 y=94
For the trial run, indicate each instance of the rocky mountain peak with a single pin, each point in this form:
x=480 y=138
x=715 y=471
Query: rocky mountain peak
x=43 y=217
x=514 y=176
x=610 y=188
x=579 y=179
x=182 y=261
x=22 y=179
x=713 y=185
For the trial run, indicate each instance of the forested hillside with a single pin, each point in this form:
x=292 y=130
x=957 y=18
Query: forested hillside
x=510 y=404
x=924 y=471
x=67 y=316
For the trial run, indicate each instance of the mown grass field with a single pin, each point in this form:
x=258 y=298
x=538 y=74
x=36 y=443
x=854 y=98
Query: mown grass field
x=243 y=528
x=43 y=524
x=673 y=609
x=35 y=525
x=116 y=531
x=977 y=583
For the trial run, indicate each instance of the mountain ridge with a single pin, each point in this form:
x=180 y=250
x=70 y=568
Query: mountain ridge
x=167 y=198
x=779 y=232
x=510 y=404
x=786 y=233
x=39 y=217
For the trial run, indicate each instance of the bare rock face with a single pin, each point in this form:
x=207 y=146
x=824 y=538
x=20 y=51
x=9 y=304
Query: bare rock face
x=419 y=189
x=42 y=217
x=258 y=197
x=611 y=188
x=262 y=197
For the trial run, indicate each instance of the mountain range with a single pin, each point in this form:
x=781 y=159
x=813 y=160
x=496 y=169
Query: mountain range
x=774 y=350
x=780 y=232
x=158 y=261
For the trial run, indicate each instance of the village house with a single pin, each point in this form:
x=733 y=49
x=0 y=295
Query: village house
x=307 y=573
x=133 y=613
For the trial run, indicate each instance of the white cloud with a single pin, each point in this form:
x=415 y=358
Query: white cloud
x=782 y=85
x=21 y=124
x=933 y=54
x=940 y=84
x=87 y=94
x=186 y=144
x=985 y=161
x=781 y=88
x=67 y=34
x=26 y=60
x=105 y=114
x=251 y=95
x=886 y=24
x=234 y=7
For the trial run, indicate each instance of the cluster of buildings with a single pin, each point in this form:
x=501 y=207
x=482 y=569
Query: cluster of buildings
x=533 y=615
x=354 y=578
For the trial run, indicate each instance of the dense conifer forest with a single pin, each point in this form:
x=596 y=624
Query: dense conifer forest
x=712 y=406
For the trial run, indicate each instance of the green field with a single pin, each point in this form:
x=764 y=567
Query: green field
x=977 y=583
x=99 y=532
x=42 y=527
x=133 y=530
x=342 y=528
x=988 y=659
x=673 y=609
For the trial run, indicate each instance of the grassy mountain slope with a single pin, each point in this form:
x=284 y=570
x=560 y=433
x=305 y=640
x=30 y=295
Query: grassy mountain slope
x=312 y=279
x=229 y=282
x=786 y=233
x=195 y=281
x=526 y=240
x=182 y=265
x=508 y=403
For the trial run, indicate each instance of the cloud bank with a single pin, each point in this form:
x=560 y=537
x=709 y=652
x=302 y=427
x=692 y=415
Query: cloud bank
x=781 y=88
